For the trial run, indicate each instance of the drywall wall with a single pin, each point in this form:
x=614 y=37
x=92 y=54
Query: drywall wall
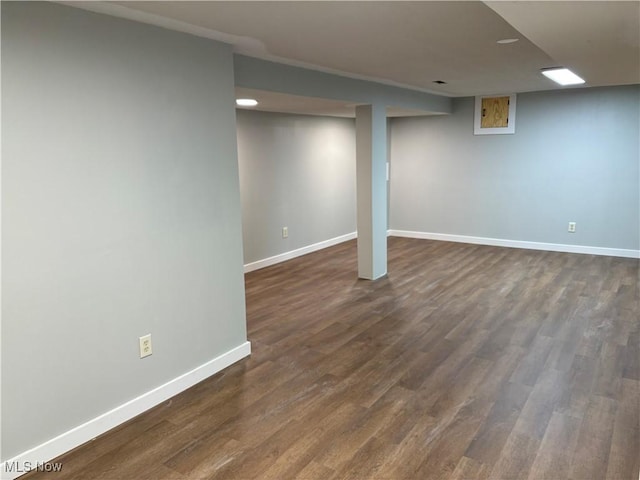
x=120 y=214
x=296 y=171
x=574 y=158
x=276 y=77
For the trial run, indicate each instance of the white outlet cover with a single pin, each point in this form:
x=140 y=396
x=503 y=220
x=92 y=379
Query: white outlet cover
x=145 y=346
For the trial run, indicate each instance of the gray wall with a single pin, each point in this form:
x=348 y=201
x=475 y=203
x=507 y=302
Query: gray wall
x=276 y=77
x=296 y=171
x=574 y=157
x=120 y=214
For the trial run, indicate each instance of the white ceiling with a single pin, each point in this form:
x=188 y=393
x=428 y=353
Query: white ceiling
x=413 y=44
x=600 y=41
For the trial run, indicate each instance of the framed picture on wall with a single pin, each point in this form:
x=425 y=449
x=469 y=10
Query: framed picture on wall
x=495 y=114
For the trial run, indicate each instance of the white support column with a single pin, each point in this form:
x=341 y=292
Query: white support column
x=371 y=174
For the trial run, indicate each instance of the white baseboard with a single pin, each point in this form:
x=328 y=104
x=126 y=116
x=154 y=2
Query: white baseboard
x=498 y=242
x=44 y=453
x=267 y=262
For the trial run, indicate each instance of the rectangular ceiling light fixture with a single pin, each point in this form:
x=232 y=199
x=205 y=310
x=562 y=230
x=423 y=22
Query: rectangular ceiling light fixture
x=563 y=76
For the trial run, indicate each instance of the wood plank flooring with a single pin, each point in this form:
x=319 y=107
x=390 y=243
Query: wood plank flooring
x=466 y=362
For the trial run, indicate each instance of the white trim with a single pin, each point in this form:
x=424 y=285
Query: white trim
x=499 y=242
x=87 y=431
x=283 y=257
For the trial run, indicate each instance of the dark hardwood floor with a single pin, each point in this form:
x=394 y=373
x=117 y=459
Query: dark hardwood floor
x=466 y=362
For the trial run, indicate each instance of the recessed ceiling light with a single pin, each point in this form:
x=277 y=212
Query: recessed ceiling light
x=563 y=76
x=246 y=102
x=505 y=41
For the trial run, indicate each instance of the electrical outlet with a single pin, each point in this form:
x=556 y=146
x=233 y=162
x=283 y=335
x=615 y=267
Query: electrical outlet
x=572 y=227
x=285 y=232
x=145 y=346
